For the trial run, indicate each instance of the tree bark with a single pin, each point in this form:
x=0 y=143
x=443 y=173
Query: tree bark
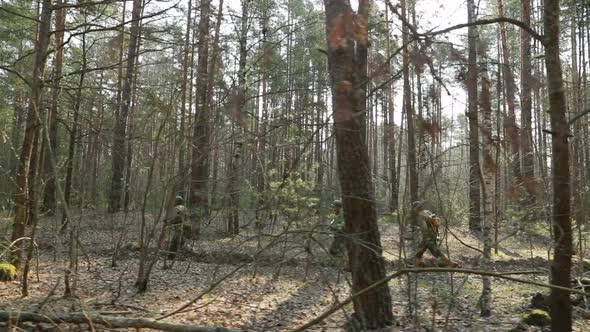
x=526 y=135
x=199 y=201
x=489 y=171
x=262 y=137
x=474 y=171
x=409 y=109
x=49 y=199
x=120 y=131
x=235 y=167
x=73 y=135
x=31 y=133
x=344 y=30
x=561 y=307
x=510 y=125
x=184 y=91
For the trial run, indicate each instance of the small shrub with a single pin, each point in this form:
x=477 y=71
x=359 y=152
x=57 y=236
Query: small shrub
x=537 y=317
x=7 y=272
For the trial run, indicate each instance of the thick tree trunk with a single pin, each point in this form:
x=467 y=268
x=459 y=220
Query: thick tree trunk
x=373 y=309
x=474 y=171
x=199 y=198
x=31 y=133
x=561 y=307
x=218 y=119
x=120 y=132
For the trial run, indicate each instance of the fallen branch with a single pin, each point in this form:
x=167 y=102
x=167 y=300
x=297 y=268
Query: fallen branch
x=111 y=322
x=502 y=275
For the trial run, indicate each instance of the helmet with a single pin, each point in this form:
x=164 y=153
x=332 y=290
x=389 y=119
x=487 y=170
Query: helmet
x=179 y=198
x=337 y=203
x=417 y=205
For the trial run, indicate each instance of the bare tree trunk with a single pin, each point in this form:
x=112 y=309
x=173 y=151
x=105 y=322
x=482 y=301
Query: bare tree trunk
x=120 y=131
x=199 y=201
x=512 y=130
x=561 y=307
x=218 y=119
x=184 y=91
x=49 y=201
x=31 y=133
x=474 y=171
x=74 y=136
x=373 y=309
x=262 y=136
x=235 y=166
x=408 y=108
x=489 y=171
x=390 y=163
x=526 y=135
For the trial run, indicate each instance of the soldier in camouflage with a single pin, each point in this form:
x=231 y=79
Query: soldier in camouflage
x=428 y=224
x=337 y=227
x=177 y=223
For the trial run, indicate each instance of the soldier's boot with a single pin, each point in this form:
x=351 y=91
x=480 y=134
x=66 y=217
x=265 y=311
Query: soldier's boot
x=446 y=262
x=419 y=262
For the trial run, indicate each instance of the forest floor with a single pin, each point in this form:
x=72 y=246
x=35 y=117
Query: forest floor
x=278 y=289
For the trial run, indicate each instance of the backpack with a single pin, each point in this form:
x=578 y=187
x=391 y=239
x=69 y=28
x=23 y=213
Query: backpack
x=434 y=223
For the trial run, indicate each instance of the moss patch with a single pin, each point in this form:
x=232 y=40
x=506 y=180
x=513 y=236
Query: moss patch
x=537 y=317
x=7 y=272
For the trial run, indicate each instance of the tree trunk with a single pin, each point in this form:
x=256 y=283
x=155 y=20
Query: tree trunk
x=489 y=171
x=389 y=133
x=373 y=309
x=474 y=171
x=120 y=131
x=184 y=91
x=512 y=130
x=526 y=135
x=262 y=137
x=561 y=307
x=129 y=131
x=409 y=110
x=49 y=201
x=31 y=133
x=235 y=166
x=73 y=136
x=199 y=201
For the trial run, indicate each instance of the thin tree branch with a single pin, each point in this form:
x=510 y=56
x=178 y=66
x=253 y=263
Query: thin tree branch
x=12 y=71
x=520 y=24
x=489 y=21
x=577 y=116
x=11 y=12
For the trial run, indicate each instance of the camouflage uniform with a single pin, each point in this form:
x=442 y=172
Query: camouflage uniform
x=178 y=227
x=428 y=224
x=424 y=221
x=337 y=226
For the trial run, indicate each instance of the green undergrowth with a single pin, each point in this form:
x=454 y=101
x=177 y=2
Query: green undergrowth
x=7 y=272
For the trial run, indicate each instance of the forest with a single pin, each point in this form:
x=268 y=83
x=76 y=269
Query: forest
x=291 y=165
